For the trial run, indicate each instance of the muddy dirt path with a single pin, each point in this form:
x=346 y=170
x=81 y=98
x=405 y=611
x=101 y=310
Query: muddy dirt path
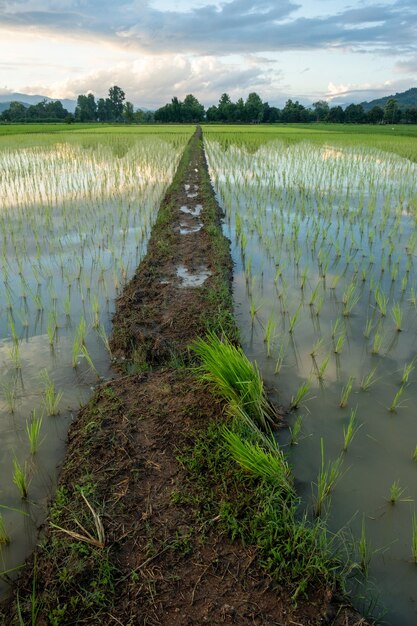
x=165 y=558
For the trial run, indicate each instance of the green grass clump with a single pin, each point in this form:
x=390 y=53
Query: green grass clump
x=270 y=465
x=234 y=378
x=243 y=481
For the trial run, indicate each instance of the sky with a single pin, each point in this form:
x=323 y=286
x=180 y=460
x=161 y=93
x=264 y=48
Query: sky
x=338 y=50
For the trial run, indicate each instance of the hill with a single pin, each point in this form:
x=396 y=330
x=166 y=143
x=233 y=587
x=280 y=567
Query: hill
x=26 y=99
x=404 y=99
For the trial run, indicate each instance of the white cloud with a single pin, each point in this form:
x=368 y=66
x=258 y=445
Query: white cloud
x=361 y=92
x=152 y=81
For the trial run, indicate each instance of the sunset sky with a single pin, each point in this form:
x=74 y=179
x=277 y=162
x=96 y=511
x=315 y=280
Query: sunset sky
x=334 y=49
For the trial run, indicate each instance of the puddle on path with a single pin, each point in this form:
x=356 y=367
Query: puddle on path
x=195 y=212
x=186 y=229
x=192 y=279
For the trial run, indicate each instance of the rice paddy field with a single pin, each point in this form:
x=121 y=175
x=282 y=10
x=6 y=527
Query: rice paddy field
x=322 y=222
x=76 y=209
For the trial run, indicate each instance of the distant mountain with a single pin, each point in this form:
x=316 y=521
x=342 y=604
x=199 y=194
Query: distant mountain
x=7 y=98
x=404 y=99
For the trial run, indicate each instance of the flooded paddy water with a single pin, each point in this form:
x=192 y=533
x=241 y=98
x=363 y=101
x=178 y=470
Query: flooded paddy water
x=76 y=212
x=324 y=242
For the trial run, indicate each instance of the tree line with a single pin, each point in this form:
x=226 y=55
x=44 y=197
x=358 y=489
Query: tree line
x=253 y=110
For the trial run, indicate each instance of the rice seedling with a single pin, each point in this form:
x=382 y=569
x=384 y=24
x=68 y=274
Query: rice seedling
x=368 y=379
x=396 y=492
x=381 y=301
x=20 y=478
x=300 y=395
x=4 y=535
x=294 y=319
x=397 y=316
x=81 y=331
x=350 y=299
x=269 y=335
x=76 y=349
x=265 y=464
x=51 y=398
x=407 y=370
x=335 y=281
x=314 y=294
x=87 y=357
x=95 y=307
x=253 y=310
x=335 y=327
x=101 y=331
x=397 y=402
x=365 y=550
x=323 y=367
x=280 y=359
x=346 y=391
x=233 y=377
x=377 y=342
x=8 y=389
x=327 y=478
x=33 y=430
x=350 y=431
x=51 y=327
x=295 y=430
x=368 y=328
x=14 y=354
x=414 y=537
x=316 y=348
x=339 y=343
x=414 y=457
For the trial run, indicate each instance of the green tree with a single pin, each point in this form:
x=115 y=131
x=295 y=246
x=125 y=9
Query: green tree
x=410 y=115
x=104 y=112
x=116 y=101
x=128 y=113
x=336 y=115
x=321 y=110
x=375 y=115
x=16 y=112
x=294 y=112
x=86 y=109
x=224 y=108
x=254 y=108
x=354 y=114
x=192 y=110
x=239 y=113
x=212 y=114
x=392 y=113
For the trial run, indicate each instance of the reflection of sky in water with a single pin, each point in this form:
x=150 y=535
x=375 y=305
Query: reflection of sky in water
x=74 y=223
x=299 y=213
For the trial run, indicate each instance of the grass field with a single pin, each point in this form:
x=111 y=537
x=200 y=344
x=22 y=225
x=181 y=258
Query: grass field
x=400 y=139
x=42 y=129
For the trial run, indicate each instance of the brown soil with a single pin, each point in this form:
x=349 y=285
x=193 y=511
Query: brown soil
x=165 y=560
x=157 y=315
x=171 y=567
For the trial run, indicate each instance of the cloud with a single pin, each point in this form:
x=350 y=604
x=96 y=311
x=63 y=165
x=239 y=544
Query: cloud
x=151 y=82
x=407 y=66
x=237 y=26
x=363 y=92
